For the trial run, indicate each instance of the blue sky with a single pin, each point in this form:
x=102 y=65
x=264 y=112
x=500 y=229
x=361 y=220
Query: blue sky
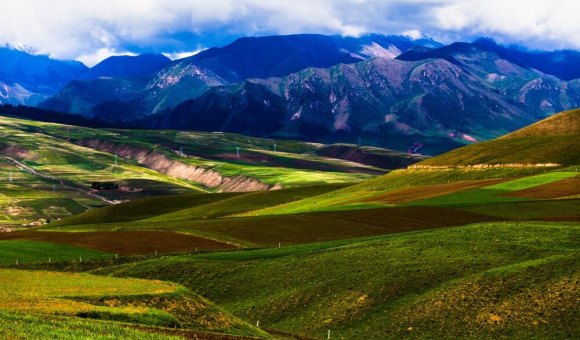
x=91 y=30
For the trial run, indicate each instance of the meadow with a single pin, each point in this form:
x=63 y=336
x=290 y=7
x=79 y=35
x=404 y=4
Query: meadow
x=441 y=249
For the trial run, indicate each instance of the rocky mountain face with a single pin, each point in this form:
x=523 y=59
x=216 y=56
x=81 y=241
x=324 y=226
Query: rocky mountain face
x=387 y=91
x=426 y=100
x=260 y=57
x=30 y=79
x=433 y=103
x=536 y=90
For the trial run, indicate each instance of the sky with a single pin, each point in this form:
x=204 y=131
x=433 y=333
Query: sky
x=91 y=30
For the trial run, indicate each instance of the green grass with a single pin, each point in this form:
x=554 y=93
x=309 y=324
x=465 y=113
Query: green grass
x=231 y=205
x=53 y=151
x=529 y=210
x=552 y=140
x=33 y=326
x=493 y=194
x=478 y=281
x=142 y=209
x=351 y=197
x=266 y=231
x=30 y=251
x=131 y=301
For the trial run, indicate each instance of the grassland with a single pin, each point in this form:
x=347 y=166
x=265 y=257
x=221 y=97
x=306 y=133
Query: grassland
x=115 y=242
x=468 y=282
x=25 y=251
x=421 y=183
x=52 y=173
x=426 y=252
x=131 y=301
x=265 y=219
x=552 y=140
x=15 y=325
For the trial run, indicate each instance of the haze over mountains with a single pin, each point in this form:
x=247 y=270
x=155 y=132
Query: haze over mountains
x=388 y=91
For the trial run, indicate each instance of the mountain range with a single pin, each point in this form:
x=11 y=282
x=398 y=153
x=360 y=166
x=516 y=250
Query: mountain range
x=388 y=91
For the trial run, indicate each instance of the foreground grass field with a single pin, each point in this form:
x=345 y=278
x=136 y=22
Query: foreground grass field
x=25 y=251
x=478 y=281
x=15 y=325
x=152 y=304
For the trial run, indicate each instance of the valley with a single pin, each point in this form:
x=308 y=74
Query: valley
x=479 y=242
x=244 y=170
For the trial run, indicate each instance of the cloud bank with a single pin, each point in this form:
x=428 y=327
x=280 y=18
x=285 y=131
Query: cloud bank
x=90 y=30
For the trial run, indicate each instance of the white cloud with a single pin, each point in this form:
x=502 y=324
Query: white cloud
x=413 y=34
x=89 y=29
x=102 y=53
x=539 y=23
x=181 y=55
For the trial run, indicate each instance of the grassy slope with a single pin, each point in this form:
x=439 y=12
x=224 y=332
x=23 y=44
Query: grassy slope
x=142 y=208
x=263 y=219
x=203 y=148
x=496 y=193
x=28 y=251
x=136 y=301
x=552 y=140
x=478 y=281
x=47 y=148
x=33 y=326
x=361 y=195
x=27 y=199
x=246 y=202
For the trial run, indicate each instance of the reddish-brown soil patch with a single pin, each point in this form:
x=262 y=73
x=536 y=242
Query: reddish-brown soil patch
x=123 y=242
x=336 y=225
x=415 y=193
x=560 y=218
x=561 y=188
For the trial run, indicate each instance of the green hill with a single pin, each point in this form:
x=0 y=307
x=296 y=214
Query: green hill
x=553 y=140
x=479 y=281
x=153 y=305
x=47 y=170
x=550 y=145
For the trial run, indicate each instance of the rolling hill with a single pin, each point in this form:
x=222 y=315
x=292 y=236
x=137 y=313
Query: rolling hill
x=462 y=251
x=51 y=171
x=547 y=146
x=551 y=141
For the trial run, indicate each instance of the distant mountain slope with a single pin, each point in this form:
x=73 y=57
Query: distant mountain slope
x=29 y=79
x=539 y=91
x=277 y=56
x=433 y=104
x=258 y=57
x=552 y=140
x=564 y=64
x=127 y=66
